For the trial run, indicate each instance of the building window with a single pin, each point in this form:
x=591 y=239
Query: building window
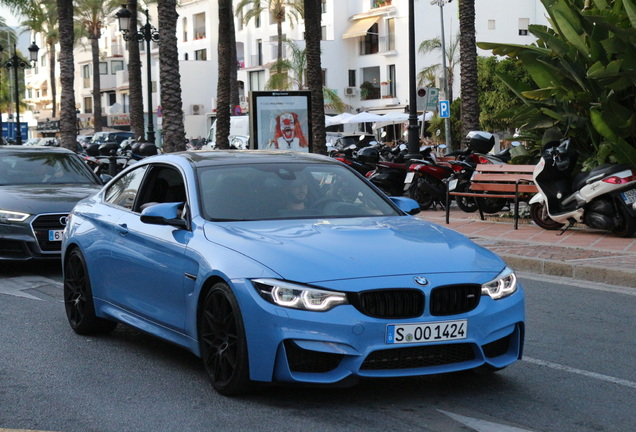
x=259 y=52
x=103 y=68
x=390 y=30
x=323 y=33
x=115 y=66
x=199 y=26
x=391 y=81
x=273 y=40
x=523 y=26
x=369 y=44
x=257 y=80
x=86 y=75
x=201 y=54
x=257 y=21
x=370 y=87
x=323 y=6
x=88 y=105
x=185 y=29
x=239 y=21
x=112 y=98
x=491 y=24
x=43 y=60
x=352 y=78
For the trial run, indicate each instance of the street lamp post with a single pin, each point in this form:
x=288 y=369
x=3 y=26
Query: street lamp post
x=413 y=138
x=16 y=62
x=147 y=33
x=447 y=124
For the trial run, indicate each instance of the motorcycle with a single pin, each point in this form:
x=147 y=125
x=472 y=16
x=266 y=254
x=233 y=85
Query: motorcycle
x=425 y=180
x=603 y=198
x=390 y=176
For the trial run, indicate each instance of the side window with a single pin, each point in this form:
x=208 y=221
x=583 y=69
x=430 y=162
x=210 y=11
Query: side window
x=123 y=192
x=164 y=184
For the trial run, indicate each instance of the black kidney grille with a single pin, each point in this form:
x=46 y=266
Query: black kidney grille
x=41 y=226
x=497 y=348
x=302 y=360
x=454 y=299
x=417 y=357
x=390 y=303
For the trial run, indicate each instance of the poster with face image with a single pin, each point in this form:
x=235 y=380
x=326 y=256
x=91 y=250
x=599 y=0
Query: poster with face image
x=281 y=121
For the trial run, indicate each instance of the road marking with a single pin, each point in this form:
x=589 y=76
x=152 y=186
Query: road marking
x=482 y=425
x=17 y=285
x=607 y=378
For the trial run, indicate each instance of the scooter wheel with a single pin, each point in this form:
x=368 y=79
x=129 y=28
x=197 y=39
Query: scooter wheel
x=539 y=215
x=419 y=194
x=627 y=225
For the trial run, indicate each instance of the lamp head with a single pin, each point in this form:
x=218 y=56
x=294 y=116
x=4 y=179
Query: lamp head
x=123 y=16
x=33 y=51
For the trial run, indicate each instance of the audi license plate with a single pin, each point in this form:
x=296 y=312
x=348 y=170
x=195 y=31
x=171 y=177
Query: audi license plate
x=629 y=196
x=426 y=332
x=55 y=235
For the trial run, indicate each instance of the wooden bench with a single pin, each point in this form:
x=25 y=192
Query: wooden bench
x=499 y=181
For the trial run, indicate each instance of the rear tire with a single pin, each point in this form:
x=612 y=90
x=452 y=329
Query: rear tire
x=419 y=194
x=465 y=204
x=627 y=227
x=78 y=298
x=539 y=214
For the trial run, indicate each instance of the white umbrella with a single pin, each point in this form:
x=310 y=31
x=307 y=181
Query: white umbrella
x=391 y=118
x=339 y=119
x=426 y=116
x=364 y=117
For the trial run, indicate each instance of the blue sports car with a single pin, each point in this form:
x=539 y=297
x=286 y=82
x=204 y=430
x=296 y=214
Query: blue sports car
x=285 y=267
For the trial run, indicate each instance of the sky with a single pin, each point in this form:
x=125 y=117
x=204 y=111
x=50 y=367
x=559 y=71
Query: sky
x=13 y=21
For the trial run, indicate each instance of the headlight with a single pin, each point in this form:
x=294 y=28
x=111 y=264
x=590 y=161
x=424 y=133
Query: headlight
x=13 y=216
x=502 y=286
x=298 y=296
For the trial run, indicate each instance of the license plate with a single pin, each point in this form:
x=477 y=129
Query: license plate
x=629 y=196
x=452 y=184
x=426 y=332
x=55 y=235
x=409 y=177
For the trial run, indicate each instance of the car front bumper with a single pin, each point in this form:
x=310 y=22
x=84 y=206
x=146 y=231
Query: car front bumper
x=21 y=241
x=344 y=344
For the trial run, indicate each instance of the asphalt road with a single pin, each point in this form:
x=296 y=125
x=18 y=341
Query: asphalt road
x=578 y=374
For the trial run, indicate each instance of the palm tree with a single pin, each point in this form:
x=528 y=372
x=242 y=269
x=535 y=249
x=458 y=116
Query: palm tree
x=223 y=88
x=134 y=77
x=429 y=73
x=8 y=37
x=170 y=78
x=91 y=14
x=68 y=119
x=468 y=57
x=280 y=11
x=312 y=12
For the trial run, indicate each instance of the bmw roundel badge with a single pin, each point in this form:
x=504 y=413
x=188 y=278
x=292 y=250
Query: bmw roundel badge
x=421 y=281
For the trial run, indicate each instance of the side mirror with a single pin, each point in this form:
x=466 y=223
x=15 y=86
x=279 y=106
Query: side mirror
x=407 y=205
x=164 y=214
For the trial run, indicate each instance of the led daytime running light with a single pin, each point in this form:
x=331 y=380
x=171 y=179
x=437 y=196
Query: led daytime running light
x=13 y=216
x=296 y=296
x=504 y=285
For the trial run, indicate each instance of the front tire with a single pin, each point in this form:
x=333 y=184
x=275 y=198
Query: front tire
x=78 y=298
x=223 y=343
x=539 y=214
x=465 y=204
x=419 y=194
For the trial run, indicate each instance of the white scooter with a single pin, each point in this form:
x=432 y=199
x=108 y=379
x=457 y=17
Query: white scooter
x=604 y=198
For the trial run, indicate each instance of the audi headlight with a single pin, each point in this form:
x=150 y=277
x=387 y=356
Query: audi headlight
x=296 y=296
x=13 y=216
x=502 y=286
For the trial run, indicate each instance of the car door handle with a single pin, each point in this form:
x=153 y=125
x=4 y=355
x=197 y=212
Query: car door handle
x=122 y=229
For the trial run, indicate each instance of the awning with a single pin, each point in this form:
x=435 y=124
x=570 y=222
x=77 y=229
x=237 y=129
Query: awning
x=33 y=85
x=44 y=84
x=360 y=27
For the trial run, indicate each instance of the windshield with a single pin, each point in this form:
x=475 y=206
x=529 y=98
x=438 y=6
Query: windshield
x=33 y=168
x=287 y=191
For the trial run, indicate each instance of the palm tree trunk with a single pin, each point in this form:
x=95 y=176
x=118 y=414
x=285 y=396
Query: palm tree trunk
x=52 y=79
x=97 y=97
x=468 y=57
x=279 y=57
x=223 y=83
x=68 y=118
x=170 y=78
x=314 y=75
x=134 y=77
x=234 y=90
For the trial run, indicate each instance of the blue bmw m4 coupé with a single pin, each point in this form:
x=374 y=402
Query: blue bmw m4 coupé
x=285 y=267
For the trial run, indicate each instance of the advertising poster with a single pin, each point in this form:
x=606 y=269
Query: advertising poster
x=281 y=120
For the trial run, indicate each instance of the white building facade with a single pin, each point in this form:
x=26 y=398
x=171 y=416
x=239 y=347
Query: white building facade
x=365 y=56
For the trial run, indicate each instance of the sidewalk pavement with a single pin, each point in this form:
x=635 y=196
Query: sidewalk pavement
x=579 y=253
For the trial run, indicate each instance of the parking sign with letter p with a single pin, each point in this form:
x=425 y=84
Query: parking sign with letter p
x=444 y=109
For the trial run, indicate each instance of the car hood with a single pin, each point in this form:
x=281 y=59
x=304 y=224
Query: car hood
x=335 y=249
x=36 y=199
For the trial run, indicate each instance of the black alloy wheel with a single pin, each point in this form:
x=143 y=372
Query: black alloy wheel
x=539 y=214
x=222 y=341
x=78 y=298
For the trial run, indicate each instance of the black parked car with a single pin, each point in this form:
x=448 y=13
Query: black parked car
x=38 y=188
x=106 y=143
